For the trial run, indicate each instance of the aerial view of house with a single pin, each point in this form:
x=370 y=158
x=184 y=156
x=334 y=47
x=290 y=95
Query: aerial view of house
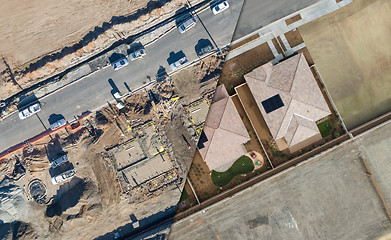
x=224 y=134
x=290 y=101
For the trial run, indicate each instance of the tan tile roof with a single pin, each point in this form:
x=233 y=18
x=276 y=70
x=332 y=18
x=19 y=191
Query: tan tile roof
x=303 y=101
x=220 y=93
x=225 y=133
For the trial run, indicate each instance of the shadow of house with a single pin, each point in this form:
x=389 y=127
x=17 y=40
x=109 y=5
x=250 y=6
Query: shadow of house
x=67 y=196
x=173 y=57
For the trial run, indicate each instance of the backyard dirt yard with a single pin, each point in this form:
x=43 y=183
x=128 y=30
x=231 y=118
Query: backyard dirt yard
x=234 y=69
x=350 y=48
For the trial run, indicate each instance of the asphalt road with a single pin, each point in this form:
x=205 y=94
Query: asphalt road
x=94 y=91
x=260 y=13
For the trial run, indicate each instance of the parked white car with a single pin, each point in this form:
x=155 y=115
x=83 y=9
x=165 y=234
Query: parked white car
x=120 y=63
x=139 y=53
x=63 y=177
x=175 y=65
x=187 y=24
x=29 y=111
x=220 y=7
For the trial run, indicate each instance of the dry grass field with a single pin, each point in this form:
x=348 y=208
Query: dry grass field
x=350 y=48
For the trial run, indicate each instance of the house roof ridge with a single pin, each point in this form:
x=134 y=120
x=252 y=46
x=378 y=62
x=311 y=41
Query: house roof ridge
x=225 y=107
x=294 y=75
x=294 y=133
x=311 y=106
x=287 y=108
x=210 y=141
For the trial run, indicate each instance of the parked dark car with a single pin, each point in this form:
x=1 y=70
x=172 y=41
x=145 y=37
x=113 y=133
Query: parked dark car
x=204 y=50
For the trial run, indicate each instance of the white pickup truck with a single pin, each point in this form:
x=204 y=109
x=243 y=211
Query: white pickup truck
x=63 y=177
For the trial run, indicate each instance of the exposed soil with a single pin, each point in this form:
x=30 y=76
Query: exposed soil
x=61 y=34
x=192 y=83
x=234 y=69
x=294 y=38
x=245 y=41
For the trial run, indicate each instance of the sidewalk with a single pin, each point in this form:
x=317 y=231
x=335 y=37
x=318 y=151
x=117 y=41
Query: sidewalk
x=278 y=28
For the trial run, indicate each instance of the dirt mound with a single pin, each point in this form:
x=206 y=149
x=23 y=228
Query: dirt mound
x=69 y=197
x=22 y=230
x=13 y=202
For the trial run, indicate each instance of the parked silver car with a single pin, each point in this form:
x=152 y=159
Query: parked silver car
x=58 y=124
x=139 y=53
x=175 y=65
x=59 y=161
x=187 y=24
x=29 y=111
x=120 y=63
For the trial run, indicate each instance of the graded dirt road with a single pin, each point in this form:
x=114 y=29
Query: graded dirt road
x=350 y=48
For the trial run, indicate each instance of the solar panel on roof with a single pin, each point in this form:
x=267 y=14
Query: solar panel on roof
x=272 y=103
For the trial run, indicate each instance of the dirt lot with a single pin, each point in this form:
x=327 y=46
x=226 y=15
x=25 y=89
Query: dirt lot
x=329 y=197
x=192 y=83
x=234 y=69
x=350 y=48
x=376 y=151
x=41 y=38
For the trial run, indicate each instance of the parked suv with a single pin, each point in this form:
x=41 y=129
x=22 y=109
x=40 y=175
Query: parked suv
x=29 y=111
x=187 y=24
x=59 y=161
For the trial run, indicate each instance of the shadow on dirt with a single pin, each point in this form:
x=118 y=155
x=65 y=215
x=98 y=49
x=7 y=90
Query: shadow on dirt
x=67 y=196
